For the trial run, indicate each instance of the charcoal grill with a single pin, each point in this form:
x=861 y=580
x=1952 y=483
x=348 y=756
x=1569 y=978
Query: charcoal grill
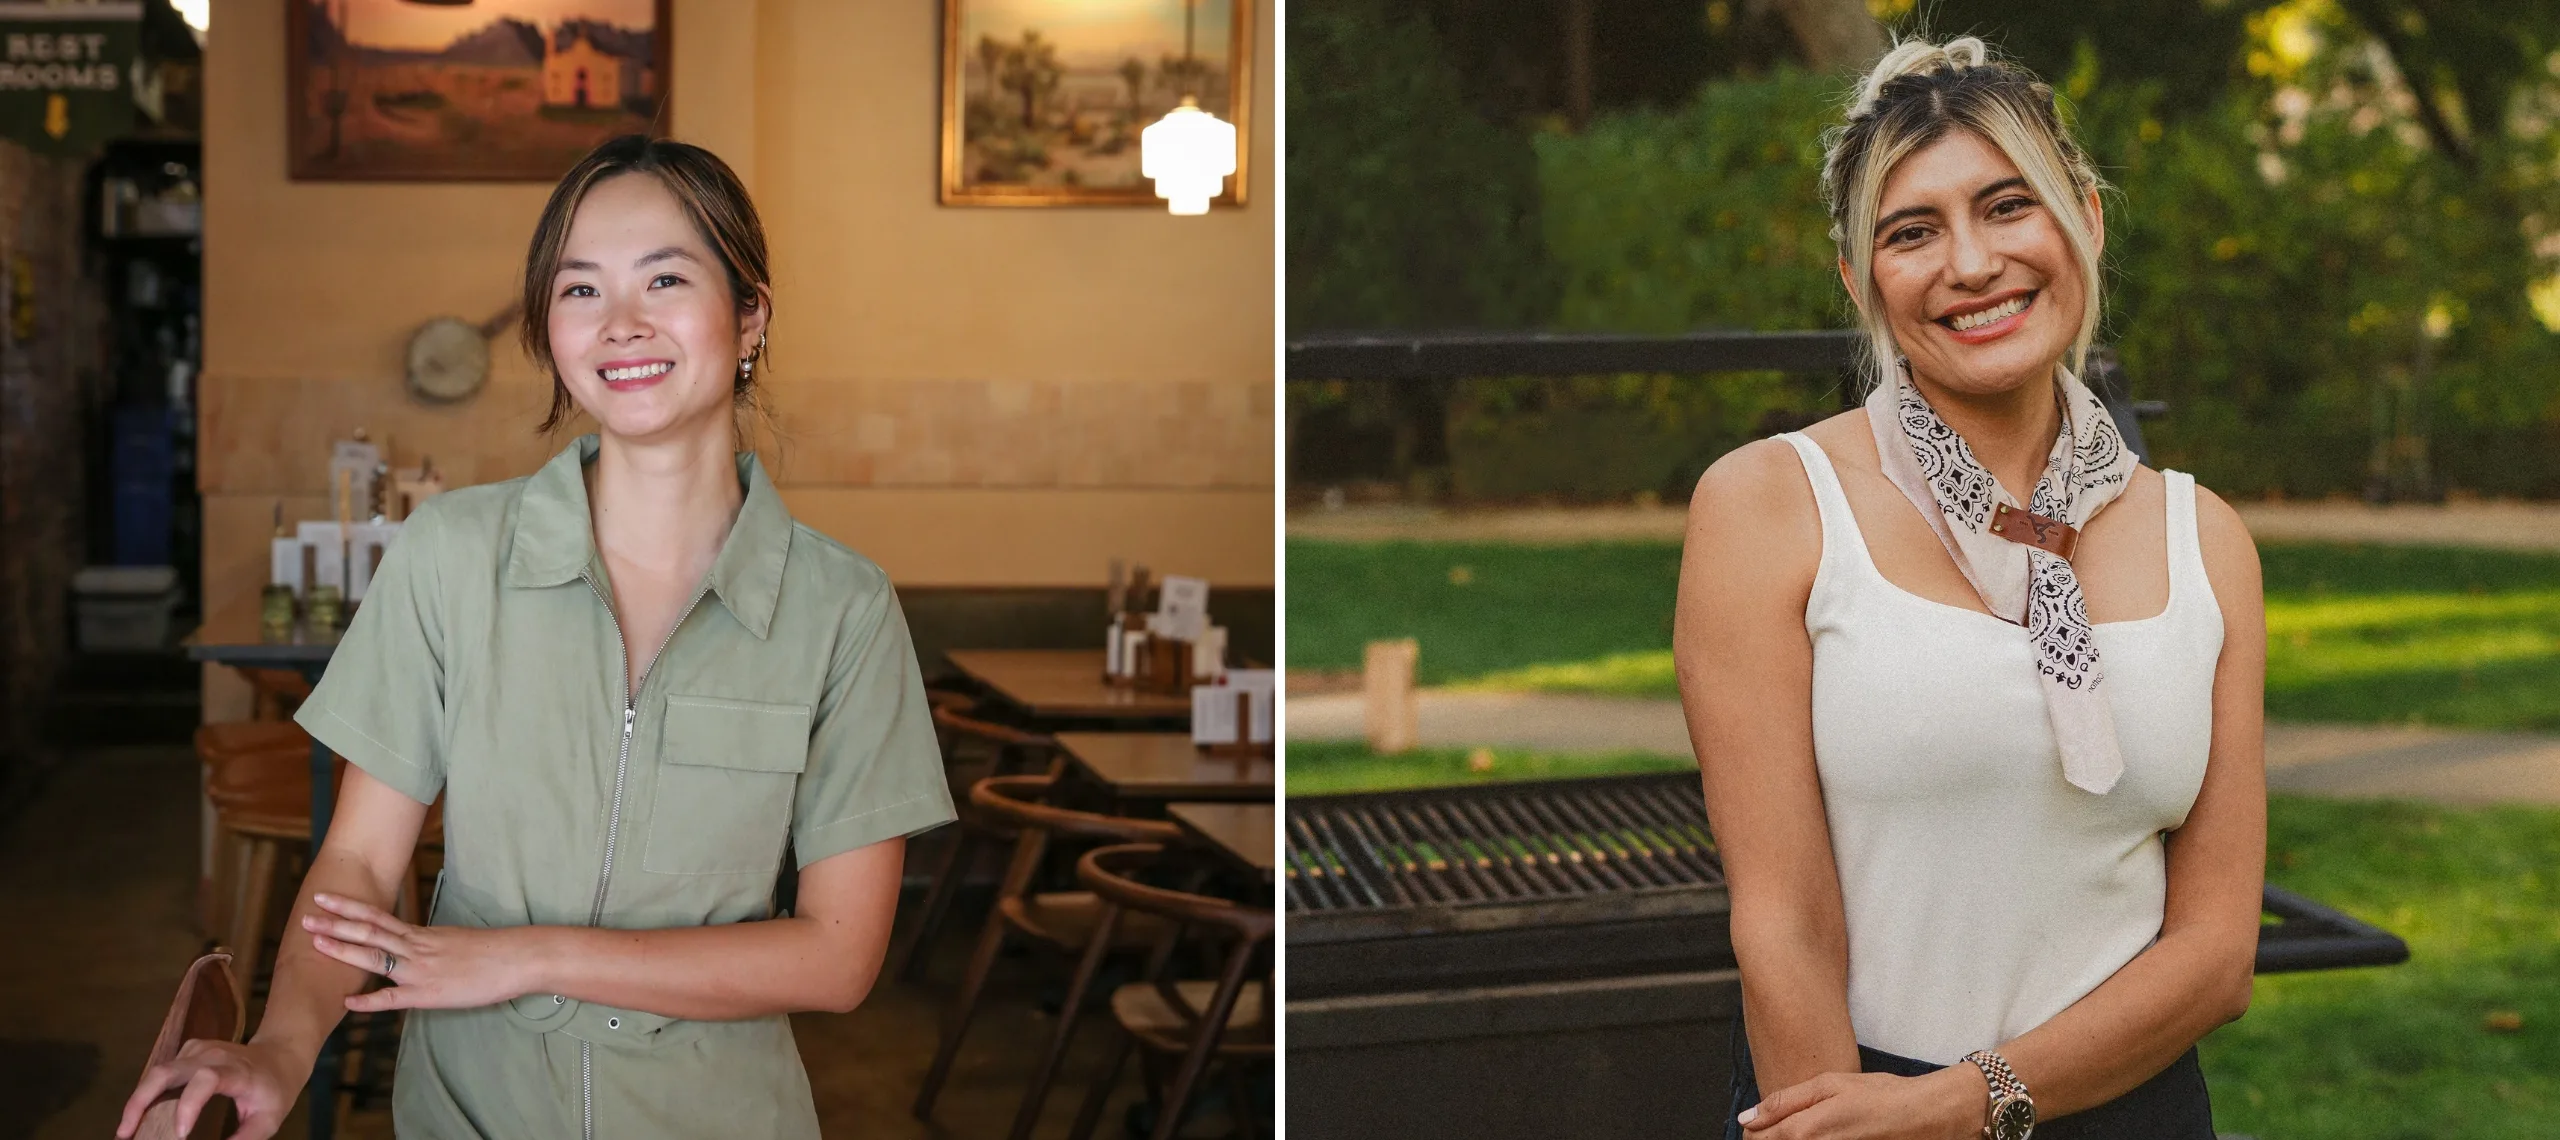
x=1548 y=958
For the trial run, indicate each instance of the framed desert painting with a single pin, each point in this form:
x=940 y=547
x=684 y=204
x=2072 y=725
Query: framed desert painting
x=485 y=91
x=1043 y=100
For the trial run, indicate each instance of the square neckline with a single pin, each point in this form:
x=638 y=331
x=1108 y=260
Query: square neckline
x=1866 y=556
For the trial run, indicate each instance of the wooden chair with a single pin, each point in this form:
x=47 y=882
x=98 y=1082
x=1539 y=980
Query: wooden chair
x=1066 y=921
x=1015 y=750
x=209 y=1005
x=1192 y=1020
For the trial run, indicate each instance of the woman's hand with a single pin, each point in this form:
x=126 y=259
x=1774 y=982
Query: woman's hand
x=430 y=967
x=262 y=1081
x=1950 y=1104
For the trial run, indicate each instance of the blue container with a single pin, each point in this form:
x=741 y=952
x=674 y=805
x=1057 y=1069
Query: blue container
x=143 y=492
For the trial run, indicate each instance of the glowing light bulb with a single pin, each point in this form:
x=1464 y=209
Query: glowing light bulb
x=1189 y=153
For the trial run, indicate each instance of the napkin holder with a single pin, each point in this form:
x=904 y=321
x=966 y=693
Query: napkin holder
x=1235 y=717
x=208 y=1006
x=1164 y=665
x=1242 y=746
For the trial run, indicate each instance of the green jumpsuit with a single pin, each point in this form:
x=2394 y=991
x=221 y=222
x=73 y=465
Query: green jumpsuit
x=486 y=664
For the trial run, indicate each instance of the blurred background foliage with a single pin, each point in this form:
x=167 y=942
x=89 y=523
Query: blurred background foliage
x=2333 y=229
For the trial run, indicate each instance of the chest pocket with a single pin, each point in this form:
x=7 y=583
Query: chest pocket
x=726 y=772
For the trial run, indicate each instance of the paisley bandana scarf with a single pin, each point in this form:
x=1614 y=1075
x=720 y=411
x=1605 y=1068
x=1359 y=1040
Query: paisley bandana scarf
x=2018 y=556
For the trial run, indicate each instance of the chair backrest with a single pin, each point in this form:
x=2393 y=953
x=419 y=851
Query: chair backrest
x=208 y=1005
x=1016 y=802
x=989 y=731
x=1107 y=872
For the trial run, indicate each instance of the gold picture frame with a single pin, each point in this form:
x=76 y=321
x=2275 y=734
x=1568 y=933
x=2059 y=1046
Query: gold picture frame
x=996 y=51
x=474 y=100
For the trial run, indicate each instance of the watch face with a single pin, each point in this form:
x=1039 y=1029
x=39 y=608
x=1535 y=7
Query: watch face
x=2013 y=1120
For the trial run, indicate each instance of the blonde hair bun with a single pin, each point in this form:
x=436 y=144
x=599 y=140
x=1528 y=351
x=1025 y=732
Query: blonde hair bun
x=1918 y=57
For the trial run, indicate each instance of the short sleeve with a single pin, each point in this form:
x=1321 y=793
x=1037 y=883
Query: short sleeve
x=875 y=767
x=381 y=702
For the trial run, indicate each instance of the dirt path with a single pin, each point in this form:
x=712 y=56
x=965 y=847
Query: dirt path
x=2507 y=525
x=2450 y=766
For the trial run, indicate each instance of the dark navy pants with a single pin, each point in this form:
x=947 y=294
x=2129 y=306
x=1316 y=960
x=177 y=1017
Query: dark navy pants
x=2170 y=1106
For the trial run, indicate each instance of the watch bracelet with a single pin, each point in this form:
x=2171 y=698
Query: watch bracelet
x=2003 y=1080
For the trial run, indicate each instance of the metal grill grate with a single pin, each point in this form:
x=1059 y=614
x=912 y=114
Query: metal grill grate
x=1498 y=843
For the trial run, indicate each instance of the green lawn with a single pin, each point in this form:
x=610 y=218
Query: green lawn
x=2466 y=638
x=2395 y=1053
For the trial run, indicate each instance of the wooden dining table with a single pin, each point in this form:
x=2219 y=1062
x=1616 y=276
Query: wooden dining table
x=237 y=635
x=1243 y=835
x=1065 y=685
x=1167 y=766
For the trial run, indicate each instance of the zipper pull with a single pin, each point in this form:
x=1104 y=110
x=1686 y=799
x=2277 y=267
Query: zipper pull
x=627 y=714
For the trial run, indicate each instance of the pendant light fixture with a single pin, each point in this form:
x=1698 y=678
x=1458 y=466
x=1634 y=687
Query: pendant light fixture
x=1188 y=153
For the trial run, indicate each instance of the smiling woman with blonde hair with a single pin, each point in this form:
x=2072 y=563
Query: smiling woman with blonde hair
x=1976 y=695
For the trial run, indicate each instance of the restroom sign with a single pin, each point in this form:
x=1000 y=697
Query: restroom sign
x=66 y=73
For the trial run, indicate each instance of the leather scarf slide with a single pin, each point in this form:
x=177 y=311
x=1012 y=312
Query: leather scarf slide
x=2018 y=555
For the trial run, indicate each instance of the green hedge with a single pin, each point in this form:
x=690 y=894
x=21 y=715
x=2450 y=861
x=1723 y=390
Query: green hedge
x=2268 y=312
x=2274 y=263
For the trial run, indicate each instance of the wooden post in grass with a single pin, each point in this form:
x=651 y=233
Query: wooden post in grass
x=1386 y=676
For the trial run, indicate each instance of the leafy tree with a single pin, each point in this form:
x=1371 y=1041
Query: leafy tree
x=1133 y=75
x=1405 y=211
x=1032 y=71
x=991 y=55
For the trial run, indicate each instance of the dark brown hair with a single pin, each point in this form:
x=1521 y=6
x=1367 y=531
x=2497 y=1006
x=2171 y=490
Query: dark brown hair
x=711 y=195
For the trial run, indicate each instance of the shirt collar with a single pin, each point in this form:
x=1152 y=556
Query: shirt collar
x=554 y=540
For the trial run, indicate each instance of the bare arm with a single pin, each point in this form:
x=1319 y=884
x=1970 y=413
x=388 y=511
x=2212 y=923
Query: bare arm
x=824 y=957
x=1746 y=684
x=2197 y=976
x=373 y=834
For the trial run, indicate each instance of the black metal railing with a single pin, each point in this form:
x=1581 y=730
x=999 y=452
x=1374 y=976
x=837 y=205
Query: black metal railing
x=1440 y=356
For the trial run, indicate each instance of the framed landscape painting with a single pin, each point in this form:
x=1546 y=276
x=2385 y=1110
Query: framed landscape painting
x=485 y=90
x=1043 y=100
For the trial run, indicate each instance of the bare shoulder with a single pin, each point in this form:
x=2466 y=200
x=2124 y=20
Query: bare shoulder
x=1749 y=479
x=1753 y=523
x=2222 y=534
x=1849 y=442
x=2230 y=555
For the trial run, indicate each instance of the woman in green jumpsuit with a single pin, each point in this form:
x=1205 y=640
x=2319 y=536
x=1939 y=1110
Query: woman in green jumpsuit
x=632 y=677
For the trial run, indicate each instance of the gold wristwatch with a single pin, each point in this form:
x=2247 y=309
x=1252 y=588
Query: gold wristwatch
x=2013 y=1114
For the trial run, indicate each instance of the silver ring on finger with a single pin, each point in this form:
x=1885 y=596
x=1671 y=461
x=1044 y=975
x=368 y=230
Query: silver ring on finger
x=390 y=962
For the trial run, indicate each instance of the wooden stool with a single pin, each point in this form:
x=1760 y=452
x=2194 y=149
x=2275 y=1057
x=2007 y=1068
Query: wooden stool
x=262 y=809
x=274 y=693
x=1067 y=921
x=1192 y=1020
x=217 y=745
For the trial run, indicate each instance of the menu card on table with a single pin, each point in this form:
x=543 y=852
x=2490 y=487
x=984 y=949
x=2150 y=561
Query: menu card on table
x=1238 y=710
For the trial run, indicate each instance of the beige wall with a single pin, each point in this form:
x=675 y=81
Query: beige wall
x=973 y=396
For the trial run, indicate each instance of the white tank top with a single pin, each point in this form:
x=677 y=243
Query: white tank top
x=1984 y=893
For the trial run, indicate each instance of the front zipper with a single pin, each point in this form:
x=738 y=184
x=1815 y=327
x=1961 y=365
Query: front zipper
x=613 y=820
